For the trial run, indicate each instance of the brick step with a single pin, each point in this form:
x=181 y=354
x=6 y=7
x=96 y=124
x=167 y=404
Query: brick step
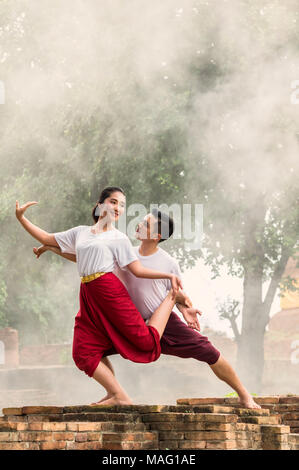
x=261 y=419
x=8 y=426
x=294 y=441
x=79 y=438
x=234 y=401
x=183 y=426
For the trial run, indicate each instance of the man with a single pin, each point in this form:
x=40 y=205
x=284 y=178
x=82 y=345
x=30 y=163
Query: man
x=179 y=339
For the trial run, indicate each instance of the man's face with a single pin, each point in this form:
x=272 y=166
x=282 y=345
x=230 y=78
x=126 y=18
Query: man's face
x=147 y=229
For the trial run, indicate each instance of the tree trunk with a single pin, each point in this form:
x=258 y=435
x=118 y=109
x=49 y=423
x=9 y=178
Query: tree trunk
x=250 y=356
x=250 y=360
x=255 y=317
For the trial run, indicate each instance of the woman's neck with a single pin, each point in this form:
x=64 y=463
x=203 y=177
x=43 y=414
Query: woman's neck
x=102 y=226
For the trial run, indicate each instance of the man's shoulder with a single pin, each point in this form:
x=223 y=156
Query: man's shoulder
x=167 y=256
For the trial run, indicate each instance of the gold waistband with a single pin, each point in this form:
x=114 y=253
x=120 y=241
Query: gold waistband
x=91 y=277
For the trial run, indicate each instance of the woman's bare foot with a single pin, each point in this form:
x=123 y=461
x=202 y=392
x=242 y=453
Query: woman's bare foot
x=115 y=400
x=248 y=402
x=105 y=398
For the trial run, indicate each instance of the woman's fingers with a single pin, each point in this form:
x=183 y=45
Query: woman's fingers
x=30 y=203
x=20 y=210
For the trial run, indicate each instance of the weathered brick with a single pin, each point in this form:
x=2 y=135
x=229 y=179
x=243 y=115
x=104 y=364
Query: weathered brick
x=53 y=445
x=209 y=435
x=8 y=426
x=94 y=436
x=12 y=411
x=275 y=446
x=16 y=418
x=14 y=445
x=110 y=417
x=35 y=426
x=26 y=410
x=261 y=419
x=33 y=418
x=275 y=438
x=137 y=436
x=292 y=424
x=8 y=436
x=244 y=444
x=252 y=412
x=199 y=401
x=192 y=444
x=20 y=426
x=63 y=436
x=291 y=416
x=216 y=418
x=293 y=399
x=54 y=426
x=285 y=408
x=221 y=445
x=93 y=426
x=213 y=409
x=194 y=426
x=247 y=427
x=266 y=400
x=172 y=435
x=171 y=445
x=33 y=445
x=282 y=429
x=125 y=427
x=125 y=445
x=90 y=445
x=34 y=436
x=81 y=437
x=163 y=417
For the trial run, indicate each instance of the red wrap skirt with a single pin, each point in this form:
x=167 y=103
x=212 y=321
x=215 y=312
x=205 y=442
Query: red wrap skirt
x=108 y=319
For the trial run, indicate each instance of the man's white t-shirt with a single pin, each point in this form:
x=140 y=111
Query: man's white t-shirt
x=100 y=252
x=148 y=294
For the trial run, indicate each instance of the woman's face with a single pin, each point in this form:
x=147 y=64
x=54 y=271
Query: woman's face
x=113 y=206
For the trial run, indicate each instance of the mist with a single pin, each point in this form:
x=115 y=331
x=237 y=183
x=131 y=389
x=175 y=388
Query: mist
x=63 y=63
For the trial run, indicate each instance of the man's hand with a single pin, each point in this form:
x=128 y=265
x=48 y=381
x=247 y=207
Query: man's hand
x=190 y=315
x=40 y=250
x=183 y=299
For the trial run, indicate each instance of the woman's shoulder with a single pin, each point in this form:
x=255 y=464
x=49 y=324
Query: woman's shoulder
x=120 y=235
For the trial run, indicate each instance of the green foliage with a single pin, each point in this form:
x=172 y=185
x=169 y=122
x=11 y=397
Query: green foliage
x=234 y=394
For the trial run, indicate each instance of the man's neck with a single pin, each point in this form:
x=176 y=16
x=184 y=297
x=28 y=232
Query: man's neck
x=148 y=247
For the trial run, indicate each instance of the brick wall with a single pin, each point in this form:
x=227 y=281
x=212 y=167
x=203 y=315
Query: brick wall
x=206 y=423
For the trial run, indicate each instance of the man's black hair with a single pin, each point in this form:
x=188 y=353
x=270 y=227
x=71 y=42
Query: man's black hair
x=165 y=224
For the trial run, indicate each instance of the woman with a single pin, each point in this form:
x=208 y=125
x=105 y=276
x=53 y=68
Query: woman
x=107 y=317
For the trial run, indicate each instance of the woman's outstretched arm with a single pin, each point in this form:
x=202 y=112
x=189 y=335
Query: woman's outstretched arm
x=42 y=249
x=41 y=235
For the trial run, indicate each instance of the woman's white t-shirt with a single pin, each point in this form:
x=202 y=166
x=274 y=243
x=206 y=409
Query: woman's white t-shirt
x=96 y=252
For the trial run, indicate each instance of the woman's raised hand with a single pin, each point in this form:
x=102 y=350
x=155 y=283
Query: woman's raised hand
x=20 y=210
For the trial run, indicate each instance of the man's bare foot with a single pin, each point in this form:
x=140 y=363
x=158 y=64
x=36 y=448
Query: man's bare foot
x=248 y=402
x=115 y=400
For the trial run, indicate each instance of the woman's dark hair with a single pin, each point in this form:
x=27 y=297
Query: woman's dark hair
x=165 y=224
x=104 y=194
